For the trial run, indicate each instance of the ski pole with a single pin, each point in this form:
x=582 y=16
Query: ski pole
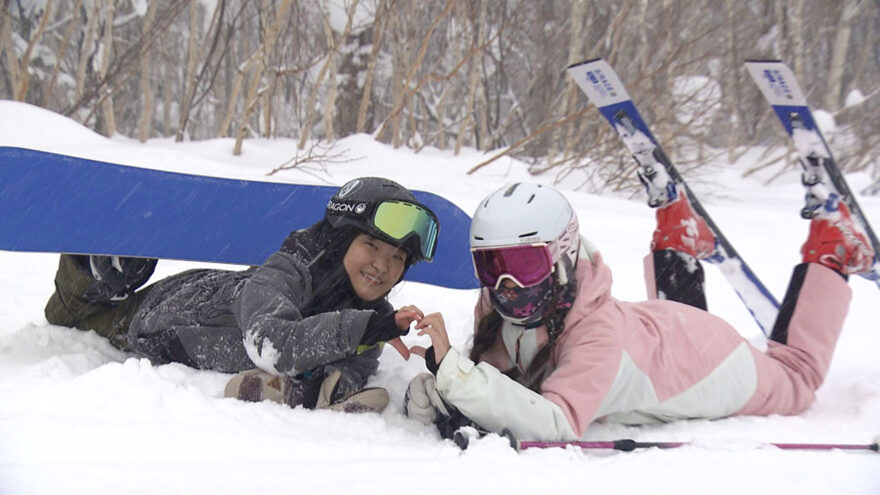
x=628 y=445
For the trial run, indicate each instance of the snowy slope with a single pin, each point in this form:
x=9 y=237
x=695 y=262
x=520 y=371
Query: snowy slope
x=77 y=416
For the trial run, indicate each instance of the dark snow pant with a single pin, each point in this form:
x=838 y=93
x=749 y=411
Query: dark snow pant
x=69 y=307
x=679 y=277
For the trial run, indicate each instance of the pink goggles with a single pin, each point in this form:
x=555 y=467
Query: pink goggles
x=525 y=265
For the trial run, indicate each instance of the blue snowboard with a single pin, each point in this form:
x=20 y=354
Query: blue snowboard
x=62 y=204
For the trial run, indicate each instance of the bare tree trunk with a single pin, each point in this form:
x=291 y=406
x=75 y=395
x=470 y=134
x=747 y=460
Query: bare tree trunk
x=266 y=51
x=233 y=95
x=379 y=24
x=332 y=47
x=482 y=141
x=781 y=31
x=840 y=47
x=575 y=48
x=68 y=33
x=11 y=58
x=24 y=75
x=796 y=15
x=146 y=120
x=189 y=82
x=313 y=96
x=402 y=91
x=398 y=57
x=166 y=100
x=107 y=112
x=474 y=76
x=86 y=47
x=732 y=84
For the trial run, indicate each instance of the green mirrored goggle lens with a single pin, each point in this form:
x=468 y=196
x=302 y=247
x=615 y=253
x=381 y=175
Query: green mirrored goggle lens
x=399 y=220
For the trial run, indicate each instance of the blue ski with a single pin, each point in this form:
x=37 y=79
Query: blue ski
x=821 y=176
x=603 y=87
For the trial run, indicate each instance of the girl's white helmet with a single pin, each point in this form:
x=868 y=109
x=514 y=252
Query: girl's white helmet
x=527 y=213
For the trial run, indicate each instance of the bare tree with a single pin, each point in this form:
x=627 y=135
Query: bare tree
x=265 y=53
x=848 y=11
x=105 y=52
x=146 y=91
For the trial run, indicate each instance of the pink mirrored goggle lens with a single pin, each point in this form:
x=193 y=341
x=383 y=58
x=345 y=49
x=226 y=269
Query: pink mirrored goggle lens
x=525 y=265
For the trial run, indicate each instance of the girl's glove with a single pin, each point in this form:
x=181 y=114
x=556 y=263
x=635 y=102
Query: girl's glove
x=422 y=402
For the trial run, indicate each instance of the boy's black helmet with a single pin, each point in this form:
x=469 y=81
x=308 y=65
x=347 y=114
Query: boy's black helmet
x=387 y=211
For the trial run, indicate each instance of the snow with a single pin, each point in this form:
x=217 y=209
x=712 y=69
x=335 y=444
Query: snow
x=854 y=98
x=80 y=417
x=825 y=122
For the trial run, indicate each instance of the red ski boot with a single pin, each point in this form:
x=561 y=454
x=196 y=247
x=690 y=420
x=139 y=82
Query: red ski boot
x=680 y=228
x=836 y=241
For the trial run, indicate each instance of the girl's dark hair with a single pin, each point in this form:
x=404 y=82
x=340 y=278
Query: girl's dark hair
x=489 y=331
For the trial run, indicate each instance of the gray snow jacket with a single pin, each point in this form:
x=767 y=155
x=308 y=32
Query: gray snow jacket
x=294 y=314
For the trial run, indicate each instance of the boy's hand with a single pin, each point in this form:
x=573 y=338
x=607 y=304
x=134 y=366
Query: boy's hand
x=403 y=318
x=406 y=315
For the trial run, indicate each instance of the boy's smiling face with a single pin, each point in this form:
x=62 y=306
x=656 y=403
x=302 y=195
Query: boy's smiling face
x=373 y=266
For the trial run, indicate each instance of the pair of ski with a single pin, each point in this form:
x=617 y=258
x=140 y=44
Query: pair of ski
x=821 y=175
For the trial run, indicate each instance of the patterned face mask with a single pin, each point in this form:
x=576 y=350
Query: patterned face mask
x=524 y=305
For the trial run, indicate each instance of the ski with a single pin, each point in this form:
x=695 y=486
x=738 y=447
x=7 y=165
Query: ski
x=820 y=176
x=603 y=87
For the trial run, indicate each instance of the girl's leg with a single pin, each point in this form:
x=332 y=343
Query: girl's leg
x=82 y=301
x=811 y=315
x=802 y=342
x=681 y=239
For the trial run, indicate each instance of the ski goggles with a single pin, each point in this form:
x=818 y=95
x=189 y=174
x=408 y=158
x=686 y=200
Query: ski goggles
x=401 y=220
x=525 y=265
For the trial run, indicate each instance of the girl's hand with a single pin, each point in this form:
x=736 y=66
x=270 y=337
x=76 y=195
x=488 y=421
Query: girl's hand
x=434 y=327
x=418 y=350
x=403 y=318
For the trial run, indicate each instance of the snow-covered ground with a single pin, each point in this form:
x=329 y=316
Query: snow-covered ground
x=78 y=416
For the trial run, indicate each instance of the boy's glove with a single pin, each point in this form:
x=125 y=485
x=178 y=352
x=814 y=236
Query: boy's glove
x=381 y=329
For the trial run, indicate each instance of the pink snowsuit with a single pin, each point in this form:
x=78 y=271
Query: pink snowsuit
x=650 y=361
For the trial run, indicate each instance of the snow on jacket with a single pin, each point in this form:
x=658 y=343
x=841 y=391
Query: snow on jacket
x=645 y=362
x=294 y=313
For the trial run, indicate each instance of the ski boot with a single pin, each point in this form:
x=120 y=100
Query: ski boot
x=836 y=241
x=312 y=392
x=680 y=228
x=116 y=277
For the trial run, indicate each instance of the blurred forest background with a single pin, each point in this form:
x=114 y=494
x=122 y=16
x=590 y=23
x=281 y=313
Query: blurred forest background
x=448 y=73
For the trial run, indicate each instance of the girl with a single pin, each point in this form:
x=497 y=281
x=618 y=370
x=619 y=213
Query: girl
x=310 y=317
x=554 y=351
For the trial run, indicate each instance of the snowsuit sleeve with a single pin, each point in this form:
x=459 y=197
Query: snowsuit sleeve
x=494 y=401
x=276 y=336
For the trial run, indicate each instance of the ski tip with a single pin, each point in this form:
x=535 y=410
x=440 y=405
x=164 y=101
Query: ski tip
x=763 y=60
x=585 y=62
